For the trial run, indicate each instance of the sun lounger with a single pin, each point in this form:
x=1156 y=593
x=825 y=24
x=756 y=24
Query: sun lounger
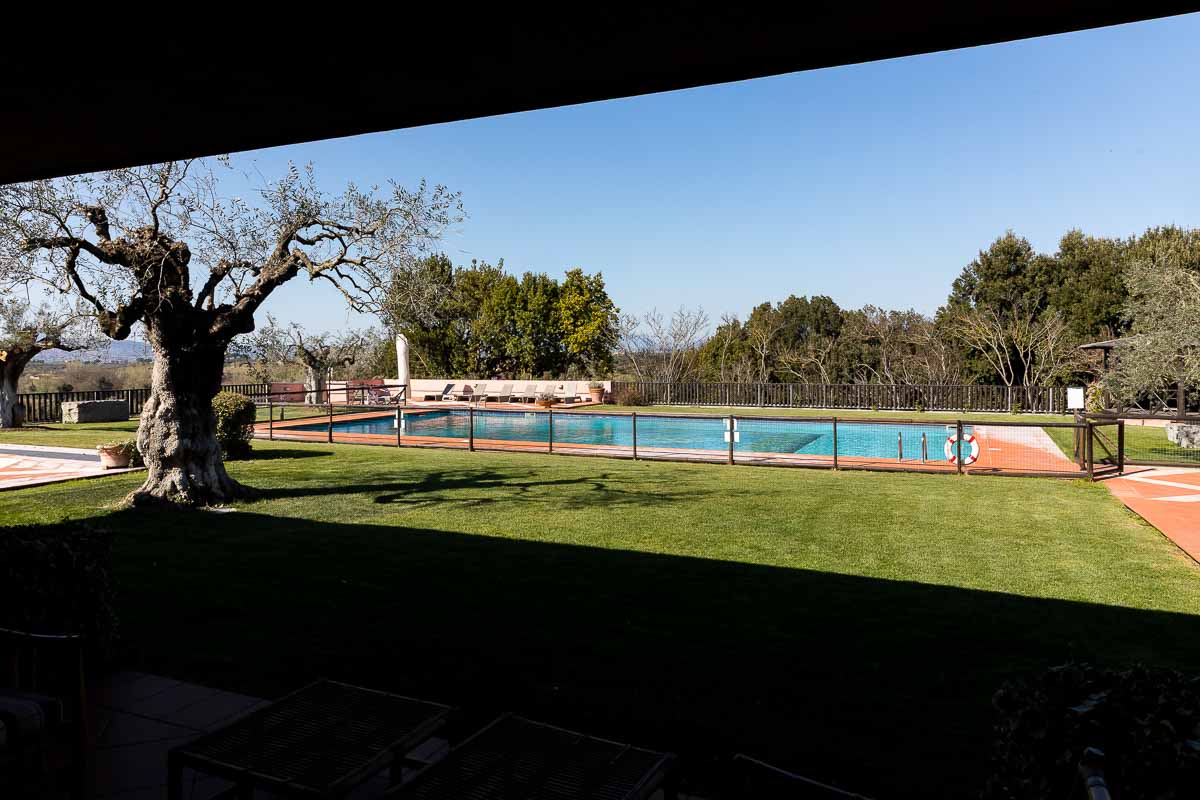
x=470 y=392
x=526 y=395
x=566 y=392
x=503 y=394
x=448 y=392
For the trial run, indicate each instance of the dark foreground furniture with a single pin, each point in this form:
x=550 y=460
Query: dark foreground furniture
x=515 y=757
x=44 y=731
x=320 y=741
x=751 y=778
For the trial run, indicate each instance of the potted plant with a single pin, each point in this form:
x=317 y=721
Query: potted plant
x=545 y=399
x=596 y=390
x=118 y=455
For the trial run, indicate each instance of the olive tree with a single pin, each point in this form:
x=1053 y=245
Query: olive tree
x=1164 y=314
x=161 y=247
x=25 y=333
x=316 y=353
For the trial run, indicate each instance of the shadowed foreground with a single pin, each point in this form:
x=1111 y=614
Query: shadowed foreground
x=867 y=680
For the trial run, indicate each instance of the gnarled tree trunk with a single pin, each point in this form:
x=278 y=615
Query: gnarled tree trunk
x=12 y=364
x=8 y=397
x=177 y=436
x=315 y=385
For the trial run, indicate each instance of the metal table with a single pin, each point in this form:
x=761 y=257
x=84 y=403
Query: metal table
x=515 y=757
x=320 y=741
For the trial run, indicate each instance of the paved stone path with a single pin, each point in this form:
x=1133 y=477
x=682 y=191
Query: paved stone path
x=23 y=465
x=1166 y=497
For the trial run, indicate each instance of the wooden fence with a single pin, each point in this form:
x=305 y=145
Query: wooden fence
x=861 y=396
x=47 y=406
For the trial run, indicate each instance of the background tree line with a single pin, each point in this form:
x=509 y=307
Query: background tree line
x=1013 y=317
x=479 y=321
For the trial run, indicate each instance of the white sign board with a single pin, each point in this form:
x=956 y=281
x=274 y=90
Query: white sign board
x=1075 y=398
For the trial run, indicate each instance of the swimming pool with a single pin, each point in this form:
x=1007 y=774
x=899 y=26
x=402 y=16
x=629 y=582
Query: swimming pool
x=802 y=437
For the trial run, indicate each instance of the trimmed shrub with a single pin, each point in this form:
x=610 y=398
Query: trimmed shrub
x=58 y=579
x=235 y=424
x=1146 y=721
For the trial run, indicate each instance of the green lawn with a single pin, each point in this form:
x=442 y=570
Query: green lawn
x=849 y=625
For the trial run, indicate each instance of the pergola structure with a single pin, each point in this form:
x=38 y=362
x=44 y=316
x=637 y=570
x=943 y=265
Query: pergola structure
x=223 y=83
x=1108 y=345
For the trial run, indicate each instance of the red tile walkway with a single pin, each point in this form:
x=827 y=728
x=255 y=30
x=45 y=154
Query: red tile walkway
x=1166 y=497
x=22 y=466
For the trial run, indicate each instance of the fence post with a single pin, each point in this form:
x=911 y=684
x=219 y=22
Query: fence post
x=633 y=420
x=835 y=448
x=471 y=428
x=899 y=446
x=1120 y=447
x=732 y=430
x=399 y=428
x=550 y=428
x=958 y=437
x=924 y=448
x=331 y=423
x=270 y=420
x=1091 y=464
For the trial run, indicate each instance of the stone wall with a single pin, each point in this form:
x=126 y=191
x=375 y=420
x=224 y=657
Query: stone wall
x=95 y=411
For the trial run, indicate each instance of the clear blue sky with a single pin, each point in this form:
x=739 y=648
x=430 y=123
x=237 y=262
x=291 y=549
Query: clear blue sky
x=873 y=183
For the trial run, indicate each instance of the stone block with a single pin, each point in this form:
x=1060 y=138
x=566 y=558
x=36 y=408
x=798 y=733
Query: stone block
x=95 y=411
x=1184 y=434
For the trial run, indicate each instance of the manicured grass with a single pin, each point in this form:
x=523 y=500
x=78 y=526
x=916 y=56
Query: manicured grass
x=849 y=625
x=54 y=434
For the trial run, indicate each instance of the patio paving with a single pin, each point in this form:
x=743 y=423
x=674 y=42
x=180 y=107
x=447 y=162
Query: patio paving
x=1166 y=497
x=138 y=718
x=24 y=465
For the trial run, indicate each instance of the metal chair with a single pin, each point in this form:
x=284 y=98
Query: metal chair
x=44 y=721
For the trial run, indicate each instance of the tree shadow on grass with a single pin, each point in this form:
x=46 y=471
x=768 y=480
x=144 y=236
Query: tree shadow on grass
x=258 y=454
x=483 y=487
x=883 y=686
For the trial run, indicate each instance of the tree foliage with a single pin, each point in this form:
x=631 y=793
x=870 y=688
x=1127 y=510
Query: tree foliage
x=164 y=248
x=485 y=322
x=25 y=333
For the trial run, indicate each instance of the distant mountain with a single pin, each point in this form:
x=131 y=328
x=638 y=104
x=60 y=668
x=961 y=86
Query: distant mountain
x=112 y=353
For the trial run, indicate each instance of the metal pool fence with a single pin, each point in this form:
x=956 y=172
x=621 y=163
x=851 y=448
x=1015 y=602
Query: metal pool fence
x=1084 y=449
x=965 y=397
x=1163 y=440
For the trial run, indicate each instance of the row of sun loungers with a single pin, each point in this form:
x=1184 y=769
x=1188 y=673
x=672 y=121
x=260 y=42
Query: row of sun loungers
x=563 y=391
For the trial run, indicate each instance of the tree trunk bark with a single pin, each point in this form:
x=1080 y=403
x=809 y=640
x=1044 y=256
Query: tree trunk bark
x=177 y=435
x=8 y=397
x=314 y=385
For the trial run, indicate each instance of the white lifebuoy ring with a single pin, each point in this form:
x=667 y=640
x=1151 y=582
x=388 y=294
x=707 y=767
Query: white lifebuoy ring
x=952 y=451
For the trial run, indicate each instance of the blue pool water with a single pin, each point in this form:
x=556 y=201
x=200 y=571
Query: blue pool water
x=869 y=440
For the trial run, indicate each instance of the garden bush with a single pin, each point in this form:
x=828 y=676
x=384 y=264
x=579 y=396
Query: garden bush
x=58 y=579
x=628 y=396
x=235 y=424
x=1146 y=721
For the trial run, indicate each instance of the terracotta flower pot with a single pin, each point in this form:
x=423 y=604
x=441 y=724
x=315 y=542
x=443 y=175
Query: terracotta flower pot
x=597 y=394
x=113 y=457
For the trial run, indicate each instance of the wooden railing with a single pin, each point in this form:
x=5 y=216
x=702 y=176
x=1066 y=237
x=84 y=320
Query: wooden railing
x=47 y=406
x=860 y=396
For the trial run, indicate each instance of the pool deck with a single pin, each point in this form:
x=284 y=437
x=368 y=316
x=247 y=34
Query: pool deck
x=1002 y=450
x=1166 y=497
